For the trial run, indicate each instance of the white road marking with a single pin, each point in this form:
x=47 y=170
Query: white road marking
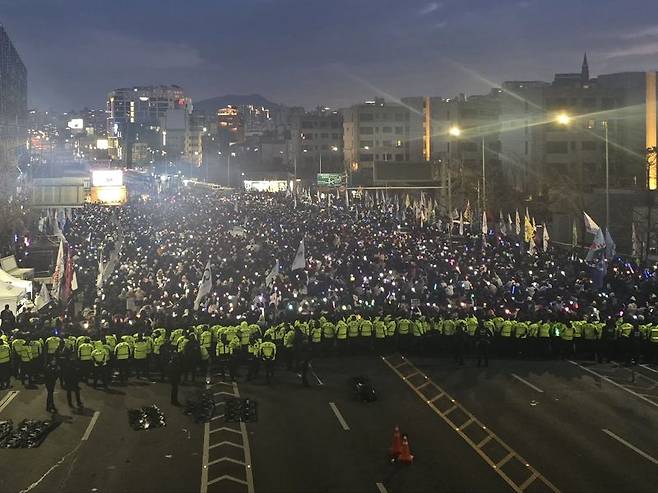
x=320 y=382
x=8 y=398
x=339 y=416
x=381 y=488
x=647 y=367
x=610 y=381
x=630 y=446
x=90 y=426
x=523 y=380
x=246 y=449
x=55 y=466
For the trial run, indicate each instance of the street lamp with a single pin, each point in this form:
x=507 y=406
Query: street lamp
x=455 y=131
x=563 y=118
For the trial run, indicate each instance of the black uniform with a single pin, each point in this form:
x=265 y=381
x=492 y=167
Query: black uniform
x=175 y=371
x=71 y=378
x=51 y=374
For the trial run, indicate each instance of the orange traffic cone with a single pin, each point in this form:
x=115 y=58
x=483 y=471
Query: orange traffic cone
x=396 y=446
x=405 y=454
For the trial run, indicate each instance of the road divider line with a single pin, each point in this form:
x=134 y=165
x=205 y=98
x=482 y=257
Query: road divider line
x=647 y=367
x=612 y=382
x=381 y=488
x=7 y=399
x=630 y=446
x=523 y=380
x=90 y=426
x=339 y=416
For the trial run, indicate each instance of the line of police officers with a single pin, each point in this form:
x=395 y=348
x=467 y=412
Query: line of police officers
x=182 y=353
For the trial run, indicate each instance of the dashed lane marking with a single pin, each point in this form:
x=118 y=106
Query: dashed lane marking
x=339 y=416
x=618 y=385
x=630 y=446
x=90 y=426
x=647 y=367
x=381 y=488
x=470 y=421
x=523 y=380
x=9 y=396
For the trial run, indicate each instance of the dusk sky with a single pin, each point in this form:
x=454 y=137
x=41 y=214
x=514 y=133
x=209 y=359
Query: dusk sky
x=310 y=52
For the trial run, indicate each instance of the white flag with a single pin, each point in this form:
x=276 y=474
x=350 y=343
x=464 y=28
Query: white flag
x=74 y=282
x=590 y=225
x=502 y=227
x=545 y=238
x=517 y=223
x=461 y=223
x=269 y=279
x=485 y=228
x=205 y=286
x=43 y=298
x=347 y=198
x=597 y=244
x=300 y=257
x=610 y=247
x=58 y=274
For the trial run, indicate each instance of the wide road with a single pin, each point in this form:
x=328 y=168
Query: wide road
x=515 y=426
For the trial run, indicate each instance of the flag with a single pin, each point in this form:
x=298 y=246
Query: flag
x=467 y=211
x=545 y=237
x=509 y=223
x=205 y=286
x=461 y=223
x=347 y=198
x=532 y=248
x=58 y=274
x=610 y=247
x=68 y=278
x=74 y=282
x=300 y=257
x=269 y=279
x=485 y=228
x=590 y=225
x=636 y=245
x=501 y=227
x=101 y=269
x=517 y=223
x=529 y=231
x=597 y=244
x=43 y=298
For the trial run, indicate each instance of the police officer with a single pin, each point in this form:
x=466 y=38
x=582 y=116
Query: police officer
x=5 y=364
x=99 y=357
x=175 y=370
x=483 y=339
x=51 y=374
x=268 y=355
x=71 y=377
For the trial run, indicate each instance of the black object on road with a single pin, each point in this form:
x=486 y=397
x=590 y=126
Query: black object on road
x=241 y=410
x=30 y=433
x=146 y=418
x=363 y=389
x=202 y=407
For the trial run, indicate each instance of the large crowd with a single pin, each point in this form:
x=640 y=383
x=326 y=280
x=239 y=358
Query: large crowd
x=377 y=276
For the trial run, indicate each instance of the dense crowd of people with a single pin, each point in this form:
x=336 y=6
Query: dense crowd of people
x=379 y=274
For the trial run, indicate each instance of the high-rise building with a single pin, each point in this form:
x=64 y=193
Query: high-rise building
x=148 y=124
x=378 y=130
x=316 y=142
x=13 y=113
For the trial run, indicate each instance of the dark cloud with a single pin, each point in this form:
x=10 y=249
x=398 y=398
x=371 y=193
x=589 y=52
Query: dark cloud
x=316 y=51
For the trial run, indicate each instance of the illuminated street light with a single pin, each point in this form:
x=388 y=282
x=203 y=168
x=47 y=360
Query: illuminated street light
x=455 y=131
x=563 y=118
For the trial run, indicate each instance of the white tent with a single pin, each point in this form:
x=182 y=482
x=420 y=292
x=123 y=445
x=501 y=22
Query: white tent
x=10 y=295
x=14 y=281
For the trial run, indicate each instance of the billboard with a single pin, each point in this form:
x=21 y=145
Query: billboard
x=76 y=124
x=107 y=178
x=102 y=144
x=265 y=185
x=330 y=180
x=108 y=195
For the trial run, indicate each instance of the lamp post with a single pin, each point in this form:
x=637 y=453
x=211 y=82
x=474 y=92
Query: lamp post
x=607 y=177
x=456 y=131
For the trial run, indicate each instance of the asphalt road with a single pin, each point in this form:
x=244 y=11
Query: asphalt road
x=581 y=427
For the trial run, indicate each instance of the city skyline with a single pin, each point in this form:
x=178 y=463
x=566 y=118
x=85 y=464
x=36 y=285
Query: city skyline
x=308 y=53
